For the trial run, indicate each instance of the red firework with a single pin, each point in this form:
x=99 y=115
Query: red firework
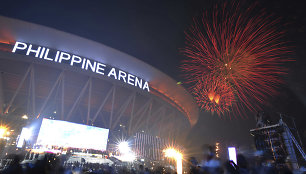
x=214 y=95
x=235 y=56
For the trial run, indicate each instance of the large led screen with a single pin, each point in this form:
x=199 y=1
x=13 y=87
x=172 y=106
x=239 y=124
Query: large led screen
x=67 y=134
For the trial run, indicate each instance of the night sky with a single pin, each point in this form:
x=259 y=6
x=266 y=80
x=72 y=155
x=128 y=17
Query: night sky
x=153 y=31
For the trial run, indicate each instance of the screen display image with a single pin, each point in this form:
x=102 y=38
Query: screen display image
x=24 y=136
x=67 y=134
x=232 y=154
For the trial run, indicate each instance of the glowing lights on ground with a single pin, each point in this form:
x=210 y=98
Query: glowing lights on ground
x=172 y=153
x=217 y=150
x=121 y=125
x=124 y=147
x=126 y=153
x=3 y=131
x=178 y=156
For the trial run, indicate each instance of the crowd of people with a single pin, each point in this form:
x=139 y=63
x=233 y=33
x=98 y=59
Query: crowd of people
x=54 y=164
x=58 y=164
x=261 y=164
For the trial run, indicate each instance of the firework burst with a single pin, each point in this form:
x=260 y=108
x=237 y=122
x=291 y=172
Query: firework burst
x=214 y=95
x=235 y=59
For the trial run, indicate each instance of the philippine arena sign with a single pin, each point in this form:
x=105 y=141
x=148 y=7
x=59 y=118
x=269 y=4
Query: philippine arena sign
x=48 y=54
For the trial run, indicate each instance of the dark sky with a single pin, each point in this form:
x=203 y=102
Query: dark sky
x=153 y=31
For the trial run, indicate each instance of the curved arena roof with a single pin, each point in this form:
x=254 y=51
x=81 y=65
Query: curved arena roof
x=161 y=85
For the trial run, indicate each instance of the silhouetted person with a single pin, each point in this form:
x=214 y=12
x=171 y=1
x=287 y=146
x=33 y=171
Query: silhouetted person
x=141 y=169
x=193 y=166
x=265 y=165
x=210 y=164
x=14 y=167
x=242 y=164
x=231 y=168
x=147 y=171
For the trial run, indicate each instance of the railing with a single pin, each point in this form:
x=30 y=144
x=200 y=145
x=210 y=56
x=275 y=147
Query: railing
x=293 y=139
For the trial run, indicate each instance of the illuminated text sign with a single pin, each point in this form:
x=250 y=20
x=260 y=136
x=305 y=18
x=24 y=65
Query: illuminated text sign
x=81 y=62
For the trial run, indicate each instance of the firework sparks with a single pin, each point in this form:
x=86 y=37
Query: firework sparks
x=235 y=59
x=214 y=95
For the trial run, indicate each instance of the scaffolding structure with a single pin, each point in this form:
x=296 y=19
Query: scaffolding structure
x=278 y=141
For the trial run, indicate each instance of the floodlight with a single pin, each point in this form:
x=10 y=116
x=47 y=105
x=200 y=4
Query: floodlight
x=124 y=147
x=25 y=117
x=2 y=131
x=172 y=153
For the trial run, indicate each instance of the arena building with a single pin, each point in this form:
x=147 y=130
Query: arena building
x=46 y=73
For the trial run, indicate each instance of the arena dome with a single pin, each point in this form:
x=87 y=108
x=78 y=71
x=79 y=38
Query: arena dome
x=50 y=73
